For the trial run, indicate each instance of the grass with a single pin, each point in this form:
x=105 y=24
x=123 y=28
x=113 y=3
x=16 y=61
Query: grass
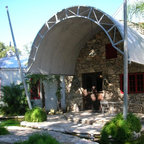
x=10 y=122
x=3 y=131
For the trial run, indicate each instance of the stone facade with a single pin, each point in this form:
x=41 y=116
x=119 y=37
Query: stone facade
x=92 y=59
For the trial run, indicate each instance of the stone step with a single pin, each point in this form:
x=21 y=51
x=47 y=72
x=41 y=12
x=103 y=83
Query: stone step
x=87 y=120
x=93 y=119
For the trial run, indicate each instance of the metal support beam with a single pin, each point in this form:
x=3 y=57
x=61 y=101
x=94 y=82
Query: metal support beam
x=95 y=16
x=90 y=12
x=19 y=63
x=111 y=28
x=125 y=105
x=101 y=18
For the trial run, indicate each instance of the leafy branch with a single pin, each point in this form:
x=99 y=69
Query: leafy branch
x=136 y=9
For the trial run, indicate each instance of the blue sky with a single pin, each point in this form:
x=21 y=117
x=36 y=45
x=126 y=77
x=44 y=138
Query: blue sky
x=28 y=16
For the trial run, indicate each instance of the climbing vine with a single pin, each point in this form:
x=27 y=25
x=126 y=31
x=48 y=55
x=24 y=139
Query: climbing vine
x=58 y=92
x=34 y=78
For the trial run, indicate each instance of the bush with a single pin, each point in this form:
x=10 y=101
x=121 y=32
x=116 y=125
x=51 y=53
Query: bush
x=120 y=130
x=40 y=139
x=35 y=115
x=3 y=131
x=134 y=123
x=14 y=99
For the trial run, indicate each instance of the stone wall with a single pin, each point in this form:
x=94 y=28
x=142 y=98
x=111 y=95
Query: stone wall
x=74 y=99
x=92 y=59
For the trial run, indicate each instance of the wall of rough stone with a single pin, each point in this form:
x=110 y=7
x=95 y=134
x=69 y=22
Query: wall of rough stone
x=136 y=101
x=92 y=59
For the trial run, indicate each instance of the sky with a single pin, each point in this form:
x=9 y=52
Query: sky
x=28 y=16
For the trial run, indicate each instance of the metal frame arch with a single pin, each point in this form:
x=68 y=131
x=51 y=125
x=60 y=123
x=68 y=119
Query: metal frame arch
x=73 y=12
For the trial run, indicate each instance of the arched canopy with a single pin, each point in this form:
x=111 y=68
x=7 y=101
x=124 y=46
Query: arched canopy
x=57 y=45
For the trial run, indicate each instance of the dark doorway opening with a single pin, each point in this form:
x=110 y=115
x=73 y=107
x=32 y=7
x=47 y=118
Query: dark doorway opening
x=88 y=81
x=92 y=79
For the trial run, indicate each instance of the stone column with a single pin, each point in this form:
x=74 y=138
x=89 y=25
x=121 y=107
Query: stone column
x=63 y=99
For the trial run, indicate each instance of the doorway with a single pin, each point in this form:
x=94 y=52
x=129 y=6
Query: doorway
x=88 y=81
x=92 y=79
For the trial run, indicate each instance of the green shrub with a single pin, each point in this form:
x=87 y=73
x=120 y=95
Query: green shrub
x=120 y=130
x=10 y=122
x=35 y=115
x=3 y=131
x=134 y=122
x=139 y=140
x=14 y=99
x=27 y=116
x=40 y=139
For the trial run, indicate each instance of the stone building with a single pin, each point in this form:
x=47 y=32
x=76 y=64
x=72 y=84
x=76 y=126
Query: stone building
x=85 y=45
x=96 y=66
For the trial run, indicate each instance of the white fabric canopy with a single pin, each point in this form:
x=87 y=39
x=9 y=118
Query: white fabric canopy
x=57 y=45
x=135 y=44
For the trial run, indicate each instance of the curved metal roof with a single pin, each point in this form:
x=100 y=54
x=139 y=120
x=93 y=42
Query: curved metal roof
x=58 y=43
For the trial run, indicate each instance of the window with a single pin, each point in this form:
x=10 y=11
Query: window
x=131 y=84
x=110 y=51
x=135 y=83
x=140 y=82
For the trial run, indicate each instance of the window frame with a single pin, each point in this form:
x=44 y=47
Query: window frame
x=136 y=83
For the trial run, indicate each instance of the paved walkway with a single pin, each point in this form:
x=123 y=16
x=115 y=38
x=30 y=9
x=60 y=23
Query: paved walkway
x=22 y=133
x=70 y=128
x=85 y=123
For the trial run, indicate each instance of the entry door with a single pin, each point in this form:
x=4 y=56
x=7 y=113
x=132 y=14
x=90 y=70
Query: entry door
x=89 y=80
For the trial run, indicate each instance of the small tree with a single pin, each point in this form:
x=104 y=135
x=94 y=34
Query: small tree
x=14 y=99
x=27 y=48
x=4 y=49
x=136 y=9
